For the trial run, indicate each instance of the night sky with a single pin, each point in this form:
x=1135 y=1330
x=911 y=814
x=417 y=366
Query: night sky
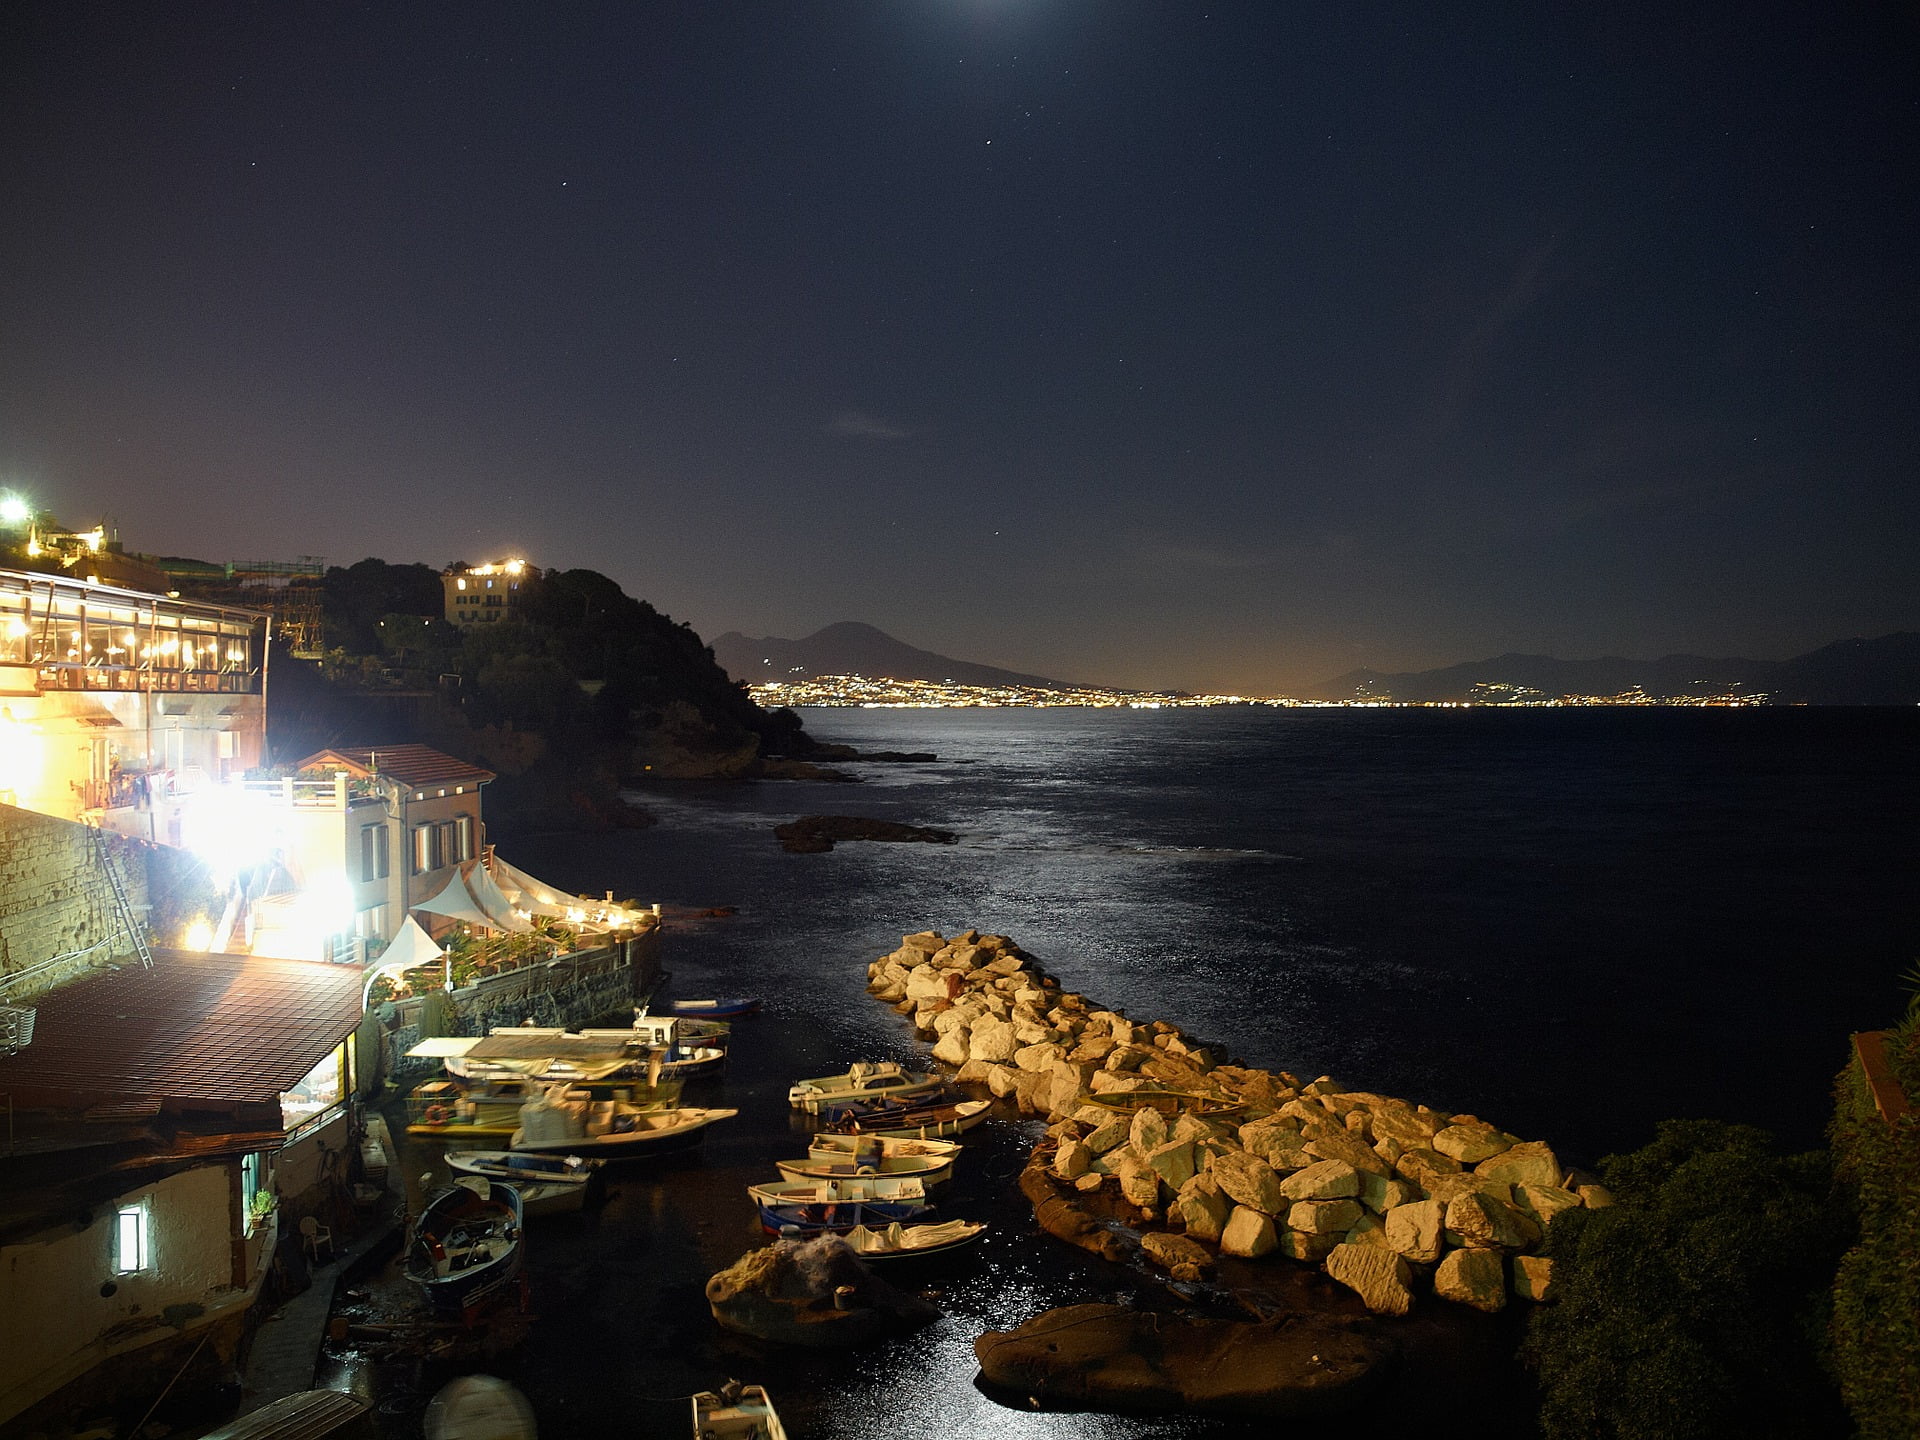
x=1135 y=343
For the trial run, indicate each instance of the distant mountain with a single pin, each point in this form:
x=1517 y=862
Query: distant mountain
x=1882 y=671
x=850 y=648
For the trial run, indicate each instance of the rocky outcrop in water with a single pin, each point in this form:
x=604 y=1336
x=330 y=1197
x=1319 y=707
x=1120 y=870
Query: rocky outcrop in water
x=816 y=834
x=1117 y=1357
x=815 y=1294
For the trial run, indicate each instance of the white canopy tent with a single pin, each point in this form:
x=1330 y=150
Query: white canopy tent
x=410 y=948
x=539 y=898
x=471 y=895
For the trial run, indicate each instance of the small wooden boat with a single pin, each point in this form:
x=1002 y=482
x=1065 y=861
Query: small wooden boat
x=864 y=1081
x=928 y=1169
x=611 y=1128
x=794 y=1222
x=725 y=1009
x=465 y=1247
x=737 y=1412
x=683 y=1061
x=893 y=1189
x=1167 y=1102
x=891 y=1147
x=908 y=1121
x=909 y=1242
x=716 y=1033
x=548 y=1184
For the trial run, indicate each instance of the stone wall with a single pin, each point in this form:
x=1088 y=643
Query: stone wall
x=603 y=985
x=55 y=899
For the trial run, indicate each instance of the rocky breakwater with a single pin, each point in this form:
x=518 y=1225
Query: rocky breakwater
x=1214 y=1172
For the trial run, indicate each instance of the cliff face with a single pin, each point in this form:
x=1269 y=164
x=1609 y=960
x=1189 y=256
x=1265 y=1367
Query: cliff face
x=586 y=689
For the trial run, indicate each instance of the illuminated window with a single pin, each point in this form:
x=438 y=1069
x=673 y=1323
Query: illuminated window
x=463 y=838
x=130 y=1239
x=374 y=861
x=324 y=1090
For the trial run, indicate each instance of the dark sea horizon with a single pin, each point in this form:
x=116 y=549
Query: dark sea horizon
x=1572 y=923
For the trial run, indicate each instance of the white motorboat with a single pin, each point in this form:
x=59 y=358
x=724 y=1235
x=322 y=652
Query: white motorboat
x=890 y=1147
x=898 y=1189
x=549 y=1184
x=614 y=1129
x=867 y=1080
x=737 y=1412
x=927 y=1169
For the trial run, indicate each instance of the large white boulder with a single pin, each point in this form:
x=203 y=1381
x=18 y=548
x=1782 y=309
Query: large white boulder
x=1543 y=1202
x=1530 y=1162
x=1037 y=1059
x=1414 y=1230
x=1172 y=1162
x=1380 y=1194
x=952 y=1049
x=1250 y=1181
x=991 y=1039
x=1478 y=1220
x=1248 y=1234
x=1148 y=1129
x=1322 y=1180
x=1204 y=1206
x=1324 y=1217
x=1380 y=1278
x=1071 y=1159
x=1533 y=1277
x=1473 y=1277
x=1140 y=1183
x=1470 y=1144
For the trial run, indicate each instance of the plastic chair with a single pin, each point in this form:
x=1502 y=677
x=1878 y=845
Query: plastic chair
x=313 y=1235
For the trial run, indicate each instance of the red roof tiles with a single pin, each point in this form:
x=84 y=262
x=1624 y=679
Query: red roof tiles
x=409 y=764
x=226 y=1029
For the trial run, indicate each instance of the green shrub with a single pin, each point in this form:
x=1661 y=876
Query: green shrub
x=1695 y=1306
x=1876 y=1296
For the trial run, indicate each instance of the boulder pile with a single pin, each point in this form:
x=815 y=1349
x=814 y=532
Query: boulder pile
x=1389 y=1198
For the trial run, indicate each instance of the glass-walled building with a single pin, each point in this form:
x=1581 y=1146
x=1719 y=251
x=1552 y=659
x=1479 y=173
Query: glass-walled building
x=113 y=703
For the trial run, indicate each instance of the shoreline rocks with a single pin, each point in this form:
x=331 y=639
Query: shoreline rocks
x=1397 y=1202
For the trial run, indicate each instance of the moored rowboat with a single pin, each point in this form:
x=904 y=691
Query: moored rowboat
x=893 y=1189
x=928 y=1169
x=863 y=1081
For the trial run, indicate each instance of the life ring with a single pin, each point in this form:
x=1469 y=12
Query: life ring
x=866 y=1170
x=438 y=1114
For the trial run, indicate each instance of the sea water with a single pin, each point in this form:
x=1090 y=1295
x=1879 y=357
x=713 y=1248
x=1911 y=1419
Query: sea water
x=1572 y=923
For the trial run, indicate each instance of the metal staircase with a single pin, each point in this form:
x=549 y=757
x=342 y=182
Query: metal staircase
x=122 y=907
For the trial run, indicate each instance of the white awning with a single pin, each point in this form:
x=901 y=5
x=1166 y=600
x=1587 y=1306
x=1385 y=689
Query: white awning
x=464 y=900
x=410 y=948
x=443 y=1047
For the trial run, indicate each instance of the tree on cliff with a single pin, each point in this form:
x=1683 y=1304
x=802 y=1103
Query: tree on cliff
x=585 y=686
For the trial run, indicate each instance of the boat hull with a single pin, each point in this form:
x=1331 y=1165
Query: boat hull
x=928 y=1170
x=464 y=1251
x=662 y=1132
x=834 y=1219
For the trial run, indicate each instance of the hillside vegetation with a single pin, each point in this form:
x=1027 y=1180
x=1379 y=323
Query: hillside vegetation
x=585 y=689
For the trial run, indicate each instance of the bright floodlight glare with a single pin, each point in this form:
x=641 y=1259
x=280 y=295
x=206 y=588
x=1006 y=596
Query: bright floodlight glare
x=14 y=510
x=230 y=829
